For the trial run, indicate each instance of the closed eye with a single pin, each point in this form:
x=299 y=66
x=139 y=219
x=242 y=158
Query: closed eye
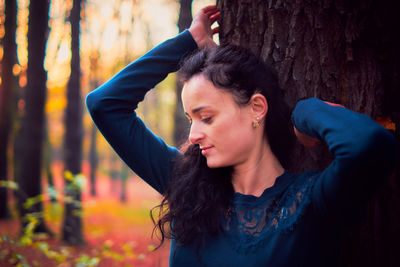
x=207 y=120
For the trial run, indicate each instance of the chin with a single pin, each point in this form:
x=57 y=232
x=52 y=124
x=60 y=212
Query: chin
x=212 y=166
x=215 y=164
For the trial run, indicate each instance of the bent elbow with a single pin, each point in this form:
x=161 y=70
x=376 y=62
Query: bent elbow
x=381 y=152
x=92 y=104
x=387 y=147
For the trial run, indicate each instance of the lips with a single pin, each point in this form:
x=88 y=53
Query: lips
x=205 y=150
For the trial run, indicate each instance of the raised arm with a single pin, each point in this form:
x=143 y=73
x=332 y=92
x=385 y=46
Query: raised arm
x=365 y=154
x=112 y=105
x=112 y=108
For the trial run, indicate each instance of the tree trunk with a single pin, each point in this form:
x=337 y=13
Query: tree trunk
x=93 y=155
x=93 y=160
x=114 y=174
x=33 y=118
x=8 y=86
x=343 y=52
x=47 y=162
x=72 y=226
x=181 y=129
x=124 y=178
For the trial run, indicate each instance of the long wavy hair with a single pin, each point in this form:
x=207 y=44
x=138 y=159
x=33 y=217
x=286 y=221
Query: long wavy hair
x=198 y=197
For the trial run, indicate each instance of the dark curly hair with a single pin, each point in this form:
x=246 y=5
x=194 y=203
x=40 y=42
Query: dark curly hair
x=198 y=197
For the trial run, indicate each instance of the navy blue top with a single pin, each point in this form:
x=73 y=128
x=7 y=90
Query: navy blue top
x=296 y=222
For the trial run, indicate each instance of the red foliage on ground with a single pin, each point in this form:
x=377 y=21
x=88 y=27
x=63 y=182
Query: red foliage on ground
x=117 y=234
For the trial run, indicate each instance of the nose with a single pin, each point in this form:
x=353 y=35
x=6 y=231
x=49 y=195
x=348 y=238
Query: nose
x=195 y=134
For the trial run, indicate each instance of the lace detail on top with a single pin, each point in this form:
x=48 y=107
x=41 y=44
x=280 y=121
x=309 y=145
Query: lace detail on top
x=249 y=222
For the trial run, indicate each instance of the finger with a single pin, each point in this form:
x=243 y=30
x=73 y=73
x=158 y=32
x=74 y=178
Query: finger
x=215 y=30
x=215 y=17
x=211 y=12
x=209 y=8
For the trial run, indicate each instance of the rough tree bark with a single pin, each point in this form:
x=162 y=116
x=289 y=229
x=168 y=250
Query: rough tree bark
x=340 y=51
x=33 y=119
x=72 y=226
x=8 y=86
x=181 y=129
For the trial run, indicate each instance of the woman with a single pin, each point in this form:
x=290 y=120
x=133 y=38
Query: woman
x=230 y=200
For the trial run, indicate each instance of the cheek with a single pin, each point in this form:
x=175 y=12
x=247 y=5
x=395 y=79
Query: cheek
x=237 y=137
x=241 y=142
x=233 y=147
x=239 y=129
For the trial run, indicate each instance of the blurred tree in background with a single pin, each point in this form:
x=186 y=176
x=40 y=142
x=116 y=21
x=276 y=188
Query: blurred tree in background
x=72 y=226
x=93 y=154
x=31 y=133
x=51 y=53
x=181 y=129
x=8 y=89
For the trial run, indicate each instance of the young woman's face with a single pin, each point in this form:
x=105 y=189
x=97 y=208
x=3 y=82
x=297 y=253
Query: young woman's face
x=221 y=127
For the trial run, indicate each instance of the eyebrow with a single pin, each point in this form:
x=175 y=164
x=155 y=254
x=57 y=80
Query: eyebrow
x=196 y=110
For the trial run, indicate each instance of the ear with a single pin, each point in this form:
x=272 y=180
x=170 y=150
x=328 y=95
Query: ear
x=259 y=106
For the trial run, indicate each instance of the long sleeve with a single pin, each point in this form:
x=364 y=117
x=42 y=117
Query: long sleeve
x=365 y=154
x=112 y=108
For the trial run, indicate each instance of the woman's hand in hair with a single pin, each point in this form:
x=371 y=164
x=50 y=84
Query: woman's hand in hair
x=307 y=140
x=201 y=26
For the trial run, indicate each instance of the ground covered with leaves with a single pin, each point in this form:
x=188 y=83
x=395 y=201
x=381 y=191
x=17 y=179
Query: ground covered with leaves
x=116 y=234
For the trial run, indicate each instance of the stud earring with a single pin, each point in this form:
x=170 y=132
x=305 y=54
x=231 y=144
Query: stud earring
x=256 y=122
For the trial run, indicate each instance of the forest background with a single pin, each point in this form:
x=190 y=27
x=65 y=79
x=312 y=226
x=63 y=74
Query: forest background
x=78 y=204
x=65 y=197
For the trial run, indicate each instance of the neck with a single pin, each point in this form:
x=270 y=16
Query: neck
x=258 y=173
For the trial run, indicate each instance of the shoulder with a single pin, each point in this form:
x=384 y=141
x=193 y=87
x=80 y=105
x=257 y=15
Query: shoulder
x=301 y=188
x=297 y=199
x=303 y=181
